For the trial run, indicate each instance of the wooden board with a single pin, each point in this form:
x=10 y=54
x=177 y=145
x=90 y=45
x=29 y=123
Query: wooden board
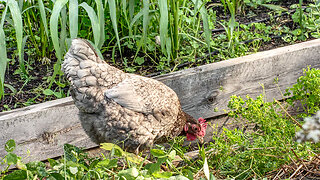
x=44 y=128
x=204 y=88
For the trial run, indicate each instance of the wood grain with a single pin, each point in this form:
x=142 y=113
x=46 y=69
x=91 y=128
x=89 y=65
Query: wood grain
x=44 y=128
x=204 y=88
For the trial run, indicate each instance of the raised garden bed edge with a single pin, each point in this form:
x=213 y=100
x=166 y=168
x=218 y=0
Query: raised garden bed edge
x=44 y=128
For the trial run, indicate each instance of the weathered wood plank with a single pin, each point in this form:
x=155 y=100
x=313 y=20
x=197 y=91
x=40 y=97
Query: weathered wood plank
x=44 y=128
x=204 y=88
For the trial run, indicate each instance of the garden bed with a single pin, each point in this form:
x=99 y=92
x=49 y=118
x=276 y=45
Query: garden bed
x=256 y=139
x=257 y=28
x=204 y=91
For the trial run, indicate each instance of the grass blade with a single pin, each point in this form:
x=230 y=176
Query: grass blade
x=73 y=18
x=3 y=54
x=43 y=17
x=100 y=12
x=3 y=17
x=131 y=9
x=204 y=16
x=94 y=22
x=17 y=19
x=24 y=41
x=175 y=8
x=274 y=7
x=136 y=17
x=63 y=31
x=113 y=15
x=146 y=5
x=169 y=47
x=58 y=5
x=30 y=7
x=20 y=4
x=163 y=24
x=124 y=7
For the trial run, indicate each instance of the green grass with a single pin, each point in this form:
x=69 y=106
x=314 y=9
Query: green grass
x=126 y=32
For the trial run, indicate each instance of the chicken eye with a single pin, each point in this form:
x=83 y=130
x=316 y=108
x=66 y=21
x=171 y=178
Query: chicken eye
x=195 y=128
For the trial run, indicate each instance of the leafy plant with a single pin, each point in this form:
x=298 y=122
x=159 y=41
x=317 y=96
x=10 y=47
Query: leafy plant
x=76 y=164
x=234 y=6
x=306 y=90
x=299 y=16
x=17 y=23
x=234 y=47
x=266 y=3
x=254 y=153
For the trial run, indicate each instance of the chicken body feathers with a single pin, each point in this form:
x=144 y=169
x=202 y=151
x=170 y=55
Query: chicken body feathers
x=117 y=107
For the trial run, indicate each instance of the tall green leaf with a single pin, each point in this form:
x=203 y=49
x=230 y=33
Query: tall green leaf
x=58 y=5
x=274 y=7
x=100 y=12
x=3 y=53
x=136 y=17
x=124 y=7
x=204 y=16
x=63 y=30
x=17 y=20
x=113 y=15
x=175 y=9
x=131 y=9
x=163 y=24
x=94 y=22
x=146 y=18
x=43 y=17
x=73 y=18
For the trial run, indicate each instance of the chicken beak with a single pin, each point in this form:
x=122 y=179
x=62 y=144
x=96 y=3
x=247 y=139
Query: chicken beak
x=200 y=138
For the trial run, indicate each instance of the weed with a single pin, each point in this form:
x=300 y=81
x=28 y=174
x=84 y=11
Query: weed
x=306 y=90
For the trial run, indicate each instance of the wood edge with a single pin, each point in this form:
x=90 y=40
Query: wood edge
x=203 y=68
x=36 y=108
x=243 y=59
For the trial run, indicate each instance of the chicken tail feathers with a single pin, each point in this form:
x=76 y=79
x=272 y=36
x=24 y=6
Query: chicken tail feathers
x=80 y=66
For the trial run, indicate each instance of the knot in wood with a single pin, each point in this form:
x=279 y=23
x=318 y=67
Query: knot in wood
x=48 y=137
x=212 y=97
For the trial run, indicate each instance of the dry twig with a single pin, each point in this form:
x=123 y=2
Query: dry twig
x=295 y=121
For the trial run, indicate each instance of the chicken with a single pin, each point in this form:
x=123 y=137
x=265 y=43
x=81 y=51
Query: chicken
x=127 y=109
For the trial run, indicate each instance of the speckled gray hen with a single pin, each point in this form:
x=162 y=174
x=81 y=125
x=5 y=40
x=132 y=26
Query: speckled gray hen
x=122 y=108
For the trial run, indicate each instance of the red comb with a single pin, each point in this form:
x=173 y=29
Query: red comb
x=203 y=125
x=201 y=120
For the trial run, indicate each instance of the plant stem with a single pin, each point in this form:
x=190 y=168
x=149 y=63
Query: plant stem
x=300 y=14
x=33 y=39
x=295 y=121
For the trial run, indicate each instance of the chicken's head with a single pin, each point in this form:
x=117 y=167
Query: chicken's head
x=195 y=130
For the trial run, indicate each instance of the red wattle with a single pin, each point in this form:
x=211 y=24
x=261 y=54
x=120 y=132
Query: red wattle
x=191 y=137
